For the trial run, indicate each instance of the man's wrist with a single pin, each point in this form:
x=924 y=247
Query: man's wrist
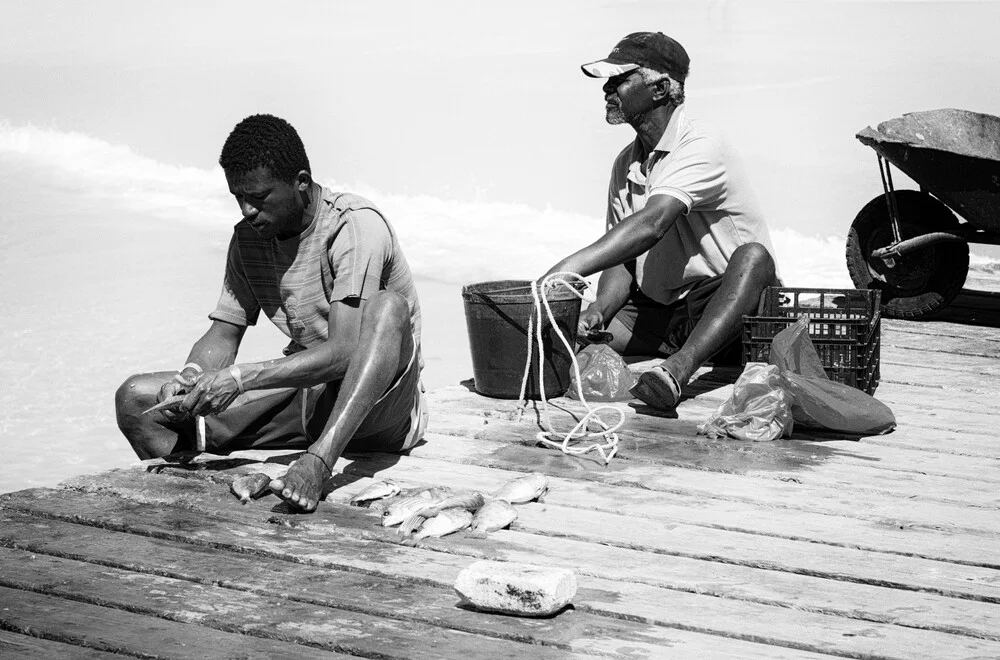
x=188 y=372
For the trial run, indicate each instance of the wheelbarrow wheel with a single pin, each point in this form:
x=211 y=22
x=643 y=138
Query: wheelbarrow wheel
x=921 y=281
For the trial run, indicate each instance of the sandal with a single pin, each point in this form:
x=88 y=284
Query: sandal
x=657 y=388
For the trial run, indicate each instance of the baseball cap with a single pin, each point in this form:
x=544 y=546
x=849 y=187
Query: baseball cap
x=654 y=50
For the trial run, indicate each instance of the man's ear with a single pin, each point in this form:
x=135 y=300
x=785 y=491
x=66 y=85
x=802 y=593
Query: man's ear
x=661 y=89
x=303 y=180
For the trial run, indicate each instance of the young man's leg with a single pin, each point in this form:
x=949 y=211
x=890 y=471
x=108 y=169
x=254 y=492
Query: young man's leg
x=151 y=436
x=383 y=354
x=750 y=271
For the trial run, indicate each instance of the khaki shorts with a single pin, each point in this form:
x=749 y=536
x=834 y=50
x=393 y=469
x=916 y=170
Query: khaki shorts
x=291 y=418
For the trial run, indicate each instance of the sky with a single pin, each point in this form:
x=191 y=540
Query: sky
x=485 y=102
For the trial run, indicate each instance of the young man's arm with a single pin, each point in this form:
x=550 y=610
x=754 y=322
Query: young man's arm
x=215 y=349
x=627 y=240
x=215 y=390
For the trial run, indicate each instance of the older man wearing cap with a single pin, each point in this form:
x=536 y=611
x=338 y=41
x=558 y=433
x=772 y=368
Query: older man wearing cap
x=686 y=252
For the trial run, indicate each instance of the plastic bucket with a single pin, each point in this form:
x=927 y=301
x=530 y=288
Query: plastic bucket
x=497 y=315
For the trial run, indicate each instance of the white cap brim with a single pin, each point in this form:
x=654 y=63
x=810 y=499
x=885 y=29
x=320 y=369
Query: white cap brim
x=605 y=69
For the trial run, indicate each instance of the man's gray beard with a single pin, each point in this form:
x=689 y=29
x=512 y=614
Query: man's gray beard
x=615 y=116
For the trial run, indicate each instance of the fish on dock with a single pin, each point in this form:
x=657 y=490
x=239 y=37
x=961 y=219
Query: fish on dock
x=470 y=501
x=404 y=507
x=250 y=486
x=523 y=489
x=379 y=490
x=447 y=522
x=494 y=515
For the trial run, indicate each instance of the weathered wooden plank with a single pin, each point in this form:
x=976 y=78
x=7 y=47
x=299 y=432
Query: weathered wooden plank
x=675 y=442
x=26 y=647
x=798 y=492
x=604 y=589
x=412 y=597
x=894 y=536
x=267 y=615
x=922 y=425
x=313 y=542
x=838 y=464
x=118 y=631
x=941 y=344
x=263 y=574
x=672 y=539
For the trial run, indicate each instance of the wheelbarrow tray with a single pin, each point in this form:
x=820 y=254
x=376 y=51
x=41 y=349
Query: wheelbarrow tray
x=952 y=154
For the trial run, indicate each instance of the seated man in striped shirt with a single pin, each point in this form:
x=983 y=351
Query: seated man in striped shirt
x=328 y=271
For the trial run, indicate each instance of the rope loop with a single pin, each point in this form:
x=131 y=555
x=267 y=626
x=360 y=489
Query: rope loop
x=607 y=449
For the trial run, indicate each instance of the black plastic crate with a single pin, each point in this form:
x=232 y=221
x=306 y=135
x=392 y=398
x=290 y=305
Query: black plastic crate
x=844 y=325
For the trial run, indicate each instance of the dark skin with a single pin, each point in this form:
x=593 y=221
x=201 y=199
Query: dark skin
x=648 y=109
x=368 y=346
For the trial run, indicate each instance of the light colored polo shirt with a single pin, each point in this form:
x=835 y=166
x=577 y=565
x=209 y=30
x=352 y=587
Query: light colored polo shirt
x=695 y=165
x=349 y=250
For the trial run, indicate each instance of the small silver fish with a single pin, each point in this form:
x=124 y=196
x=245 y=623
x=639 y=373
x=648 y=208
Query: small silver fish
x=405 y=507
x=470 y=501
x=250 y=486
x=494 y=515
x=446 y=522
x=376 y=491
x=523 y=489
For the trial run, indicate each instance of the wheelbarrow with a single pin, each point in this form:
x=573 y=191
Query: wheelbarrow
x=913 y=245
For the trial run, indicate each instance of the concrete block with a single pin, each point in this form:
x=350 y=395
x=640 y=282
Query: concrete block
x=519 y=589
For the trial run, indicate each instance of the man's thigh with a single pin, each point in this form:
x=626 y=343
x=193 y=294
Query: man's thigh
x=647 y=327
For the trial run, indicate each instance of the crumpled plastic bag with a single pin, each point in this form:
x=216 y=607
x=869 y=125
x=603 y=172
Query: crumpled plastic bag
x=759 y=410
x=604 y=376
x=754 y=412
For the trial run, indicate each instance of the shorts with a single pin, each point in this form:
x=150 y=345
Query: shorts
x=661 y=330
x=290 y=418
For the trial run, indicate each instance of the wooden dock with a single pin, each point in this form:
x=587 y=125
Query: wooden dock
x=879 y=547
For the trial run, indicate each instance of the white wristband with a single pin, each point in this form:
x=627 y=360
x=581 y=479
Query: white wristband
x=234 y=371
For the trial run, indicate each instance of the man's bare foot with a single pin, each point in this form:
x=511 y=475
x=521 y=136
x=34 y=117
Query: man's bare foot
x=302 y=485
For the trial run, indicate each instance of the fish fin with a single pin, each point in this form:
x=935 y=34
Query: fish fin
x=411 y=524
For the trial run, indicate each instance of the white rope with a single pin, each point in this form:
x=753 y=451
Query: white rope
x=609 y=447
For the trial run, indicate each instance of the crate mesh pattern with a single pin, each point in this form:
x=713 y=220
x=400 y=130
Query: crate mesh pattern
x=844 y=325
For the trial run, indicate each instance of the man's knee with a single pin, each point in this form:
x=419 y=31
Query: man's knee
x=137 y=393
x=754 y=259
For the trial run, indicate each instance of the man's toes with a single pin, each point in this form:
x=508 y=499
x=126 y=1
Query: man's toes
x=276 y=485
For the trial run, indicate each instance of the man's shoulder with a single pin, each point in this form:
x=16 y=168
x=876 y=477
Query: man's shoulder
x=347 y=201
x=701 y=134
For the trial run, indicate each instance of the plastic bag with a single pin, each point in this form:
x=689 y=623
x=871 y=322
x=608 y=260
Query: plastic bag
x=760 y=408
x=815 y=400
x=604 y=376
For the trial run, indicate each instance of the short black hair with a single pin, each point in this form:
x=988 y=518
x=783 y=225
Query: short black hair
x=264 y=141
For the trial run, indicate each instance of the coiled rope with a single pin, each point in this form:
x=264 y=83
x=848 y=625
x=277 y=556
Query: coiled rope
x=609 y=447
